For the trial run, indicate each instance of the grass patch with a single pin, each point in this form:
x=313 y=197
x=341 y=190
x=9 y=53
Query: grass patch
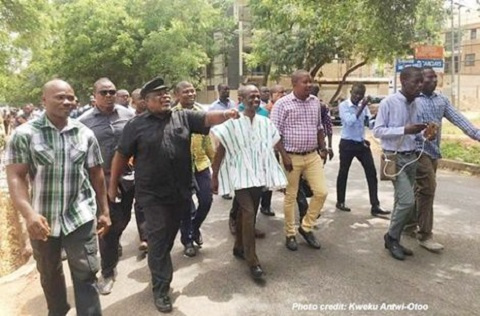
x=462 y=151
x=450 y=129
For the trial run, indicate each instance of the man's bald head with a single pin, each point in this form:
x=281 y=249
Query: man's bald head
x=53 y=85
x=59 y=99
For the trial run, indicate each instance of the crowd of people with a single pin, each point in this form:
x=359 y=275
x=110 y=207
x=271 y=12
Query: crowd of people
x=75 y=173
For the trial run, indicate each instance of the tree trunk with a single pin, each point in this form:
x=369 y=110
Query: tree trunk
x=344 y=78
x=266 y=74
x=316 y=68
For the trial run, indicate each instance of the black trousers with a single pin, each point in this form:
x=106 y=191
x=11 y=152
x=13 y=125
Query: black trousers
x=81 y=248
x=348 y=150
x=120 y=214
x=162 y=222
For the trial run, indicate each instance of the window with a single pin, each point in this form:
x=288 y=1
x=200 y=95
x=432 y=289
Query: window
x=448 y=41
x=448 y=64
x=473 y=34
x=470 y=60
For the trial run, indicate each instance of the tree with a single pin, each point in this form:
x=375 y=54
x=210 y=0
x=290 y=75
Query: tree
x=22 y=26
x=307 y=34
x=128 y=41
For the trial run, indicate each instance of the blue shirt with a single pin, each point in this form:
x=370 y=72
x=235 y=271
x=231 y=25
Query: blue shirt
x=260 y=111
x=353 y=128
x=219 y=105
x=432 y=109
x=393 y=114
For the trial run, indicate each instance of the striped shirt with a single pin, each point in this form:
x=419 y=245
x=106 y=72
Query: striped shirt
x=58 y=163
x=393 y=114
x=249 y=156
x=433 y=109
x=298 y=122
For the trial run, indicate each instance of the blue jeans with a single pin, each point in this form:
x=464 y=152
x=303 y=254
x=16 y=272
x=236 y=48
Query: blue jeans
x=404 y=195
x=192 y=221
x=81 y=248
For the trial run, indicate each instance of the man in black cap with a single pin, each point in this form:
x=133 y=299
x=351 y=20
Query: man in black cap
x=159 y=139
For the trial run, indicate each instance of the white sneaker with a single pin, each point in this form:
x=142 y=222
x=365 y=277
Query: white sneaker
x=431 y=245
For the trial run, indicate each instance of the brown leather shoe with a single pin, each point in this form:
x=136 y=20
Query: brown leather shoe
x=232 y=225
x=259 y=234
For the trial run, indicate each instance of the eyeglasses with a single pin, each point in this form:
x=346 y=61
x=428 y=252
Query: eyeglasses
x=105 y=92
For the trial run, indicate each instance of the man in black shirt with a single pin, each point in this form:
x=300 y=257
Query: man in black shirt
x=159 y=139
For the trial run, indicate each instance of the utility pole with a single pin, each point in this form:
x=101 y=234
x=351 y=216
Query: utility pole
x=459 y=55
x=452 y=67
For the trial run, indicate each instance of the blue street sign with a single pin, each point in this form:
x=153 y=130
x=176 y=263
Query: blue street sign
x=403 y=63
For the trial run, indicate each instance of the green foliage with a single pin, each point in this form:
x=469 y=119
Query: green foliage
x=456 y=150
x=128 y=41
x=307 y=34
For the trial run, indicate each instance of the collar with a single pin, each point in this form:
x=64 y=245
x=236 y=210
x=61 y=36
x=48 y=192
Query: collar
x=310 y=97
x=220 y=101
x=44 y=123
x=350 y=103
x=96 y=111
x=147 y=113
x=423 y=95
x=195 y=107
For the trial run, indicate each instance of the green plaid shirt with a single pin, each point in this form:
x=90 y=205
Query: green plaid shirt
x=58 y=163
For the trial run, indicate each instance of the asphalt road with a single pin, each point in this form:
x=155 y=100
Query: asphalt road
x=350 y=272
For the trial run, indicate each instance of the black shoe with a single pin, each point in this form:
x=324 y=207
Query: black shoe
x=406 y=251
x=394 y=247
x=190 y=250
x=291 y=243
x=227 y=197
x=378 y=211
x=232 y=225
x=238 y=253
x=198 y=239
x=120 y=250
x=309 y=238
x=256 y=272
x=163 y=304
x=342 y=207
x=267 y=211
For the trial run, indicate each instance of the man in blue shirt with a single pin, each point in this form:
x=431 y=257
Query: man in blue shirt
x=353 y=113
x=396 y=125
x=433 y=107
x=223 y=102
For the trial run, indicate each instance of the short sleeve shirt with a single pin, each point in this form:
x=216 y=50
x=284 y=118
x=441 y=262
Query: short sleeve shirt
x=58 y=163
x=107 y=129
x=161 y=147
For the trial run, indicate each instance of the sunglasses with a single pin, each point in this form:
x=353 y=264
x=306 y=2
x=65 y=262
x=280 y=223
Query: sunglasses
x=105 y=92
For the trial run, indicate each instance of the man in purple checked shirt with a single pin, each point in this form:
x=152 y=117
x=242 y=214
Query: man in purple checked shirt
x=297 y=116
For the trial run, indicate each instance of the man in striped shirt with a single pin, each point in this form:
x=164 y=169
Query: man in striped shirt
x=298 y=118
x=62 y=160
x=245 y=162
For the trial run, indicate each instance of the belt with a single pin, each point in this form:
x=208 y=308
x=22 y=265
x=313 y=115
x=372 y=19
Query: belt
x=301 y=153
x=407 y=153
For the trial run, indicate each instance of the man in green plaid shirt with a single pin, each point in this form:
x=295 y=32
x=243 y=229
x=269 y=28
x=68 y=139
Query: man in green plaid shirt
x=61 y=160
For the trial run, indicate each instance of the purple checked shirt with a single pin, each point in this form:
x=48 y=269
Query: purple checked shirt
x=298 y=122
